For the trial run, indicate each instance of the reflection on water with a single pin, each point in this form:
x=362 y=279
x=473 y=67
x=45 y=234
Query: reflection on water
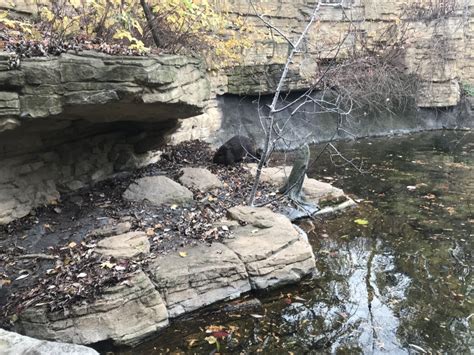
x=400 y=284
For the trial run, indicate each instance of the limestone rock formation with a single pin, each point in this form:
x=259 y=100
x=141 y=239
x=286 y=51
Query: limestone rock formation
x=126 y=245
x=158 y=190
x=206 y=274
x=200 y=179
x=67 y=122
x=263 y=250
x=274 y=252
x=125 y=314
x=78 y=86
x=16 y=344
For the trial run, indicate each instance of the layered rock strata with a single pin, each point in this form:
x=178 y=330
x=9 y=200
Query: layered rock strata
x=69 y=121
x=264 y=250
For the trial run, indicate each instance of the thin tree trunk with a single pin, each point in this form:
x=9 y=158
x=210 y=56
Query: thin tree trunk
x=273 y=109
x=150 y=21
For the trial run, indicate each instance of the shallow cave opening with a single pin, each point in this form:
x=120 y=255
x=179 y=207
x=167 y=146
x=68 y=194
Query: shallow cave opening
x=43 y=159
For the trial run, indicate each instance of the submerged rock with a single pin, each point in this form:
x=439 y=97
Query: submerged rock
x=200 y=179
x=15 y=344
x=158 y=190
x=125 y=314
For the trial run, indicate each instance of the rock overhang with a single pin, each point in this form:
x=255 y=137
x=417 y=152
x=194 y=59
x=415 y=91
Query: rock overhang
x=101 y=88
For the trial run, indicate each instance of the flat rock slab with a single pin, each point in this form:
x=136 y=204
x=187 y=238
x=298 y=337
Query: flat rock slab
x=112 y=229
x=315 y=190
x=125 y=314
x=205 y=275
x=15 y=344
x=158 y=190
x=126 y=245
x=274 y=251
x=200 y=179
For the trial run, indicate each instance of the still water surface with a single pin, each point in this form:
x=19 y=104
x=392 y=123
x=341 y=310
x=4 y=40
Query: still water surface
x=400 y=284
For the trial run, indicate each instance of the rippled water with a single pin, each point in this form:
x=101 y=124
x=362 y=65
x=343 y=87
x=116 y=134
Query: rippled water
x=400 y=284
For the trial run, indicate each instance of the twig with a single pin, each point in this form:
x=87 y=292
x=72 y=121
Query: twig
x=37 y=256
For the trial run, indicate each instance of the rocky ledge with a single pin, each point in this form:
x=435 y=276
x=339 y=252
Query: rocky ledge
x=70 y=121
x=77 y=87
x=263 y=250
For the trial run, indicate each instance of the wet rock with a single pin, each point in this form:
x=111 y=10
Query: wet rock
x=315 y=190
x=200 y=179
x=124 y=314
x=15 y=344
x=158 y=190
x=126 y=245
x=273 y=250
x=239 y=306
x=205 y=275
x=110 y=229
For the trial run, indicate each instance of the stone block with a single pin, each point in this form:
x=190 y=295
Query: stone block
x=202 y=276
x=158 y=190
x=200 y=179
x=126 y=245
x=126 y=314
x=274 y=251
x=15 y=344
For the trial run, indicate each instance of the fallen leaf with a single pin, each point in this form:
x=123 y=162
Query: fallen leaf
x=361 y=221
x=72 y=245
x=81 y=275
x=211 y=339
x=220 y=334
x=173 y=207
x=183 y=254
x=107 y=265
x=257 y=316
x=21 y=277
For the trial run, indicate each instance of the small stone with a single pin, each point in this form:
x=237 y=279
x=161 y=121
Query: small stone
x=200 y=179
x=158 y=190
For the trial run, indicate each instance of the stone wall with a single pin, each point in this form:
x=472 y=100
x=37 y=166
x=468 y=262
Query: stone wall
x=441 y=51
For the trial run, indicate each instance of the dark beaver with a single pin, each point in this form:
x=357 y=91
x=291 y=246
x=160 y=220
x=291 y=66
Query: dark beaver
x=235 y=150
